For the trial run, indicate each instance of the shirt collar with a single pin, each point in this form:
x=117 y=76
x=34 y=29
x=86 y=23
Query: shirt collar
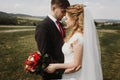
x=52 y=18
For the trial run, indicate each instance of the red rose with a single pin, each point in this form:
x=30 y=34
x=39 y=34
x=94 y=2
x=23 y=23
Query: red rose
x=32 y=61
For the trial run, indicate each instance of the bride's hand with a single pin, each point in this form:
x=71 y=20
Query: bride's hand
x=51 y=68
x=72 y=70
x=69 y=70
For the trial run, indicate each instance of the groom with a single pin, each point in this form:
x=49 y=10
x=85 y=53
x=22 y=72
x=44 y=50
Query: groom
x=49 y=36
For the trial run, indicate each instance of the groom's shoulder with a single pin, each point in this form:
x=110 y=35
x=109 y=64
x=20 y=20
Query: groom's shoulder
x=45 y=22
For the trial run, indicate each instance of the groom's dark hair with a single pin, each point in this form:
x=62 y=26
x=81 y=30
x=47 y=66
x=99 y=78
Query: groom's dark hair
x=61 y=3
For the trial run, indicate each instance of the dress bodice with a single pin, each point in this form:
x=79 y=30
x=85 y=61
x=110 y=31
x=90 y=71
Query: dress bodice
x=67 y=47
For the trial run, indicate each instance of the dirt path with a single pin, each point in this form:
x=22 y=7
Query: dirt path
x=16 y=30
x=108 y=31
x=14 y=26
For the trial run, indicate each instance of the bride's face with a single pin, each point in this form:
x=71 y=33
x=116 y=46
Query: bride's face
x=69 y=21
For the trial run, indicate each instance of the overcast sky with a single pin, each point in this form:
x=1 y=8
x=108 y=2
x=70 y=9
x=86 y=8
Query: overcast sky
x=101 y=9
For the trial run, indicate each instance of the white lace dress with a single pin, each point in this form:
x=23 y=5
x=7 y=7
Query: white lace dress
x=68 y=54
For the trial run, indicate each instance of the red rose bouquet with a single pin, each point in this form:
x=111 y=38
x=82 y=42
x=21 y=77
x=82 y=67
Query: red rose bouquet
x=36 y=63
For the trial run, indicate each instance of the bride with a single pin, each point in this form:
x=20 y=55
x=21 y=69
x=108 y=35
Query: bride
x=81 y=47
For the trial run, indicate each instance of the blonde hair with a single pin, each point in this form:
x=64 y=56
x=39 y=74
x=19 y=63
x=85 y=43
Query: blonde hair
x=77 y=13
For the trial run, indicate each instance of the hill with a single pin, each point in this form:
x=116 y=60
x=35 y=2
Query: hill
x=19 y=19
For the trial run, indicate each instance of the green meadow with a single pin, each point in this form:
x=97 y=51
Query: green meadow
x=16 y=46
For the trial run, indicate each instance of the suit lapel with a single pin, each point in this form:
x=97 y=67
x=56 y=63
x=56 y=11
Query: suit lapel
x=53 y=27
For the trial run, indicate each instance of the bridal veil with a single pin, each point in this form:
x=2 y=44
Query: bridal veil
x=91 y=65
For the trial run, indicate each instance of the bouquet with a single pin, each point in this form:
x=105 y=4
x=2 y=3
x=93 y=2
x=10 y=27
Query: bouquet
x=37 y=62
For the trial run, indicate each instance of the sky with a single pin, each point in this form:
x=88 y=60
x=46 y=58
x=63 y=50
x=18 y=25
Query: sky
x=100 y=9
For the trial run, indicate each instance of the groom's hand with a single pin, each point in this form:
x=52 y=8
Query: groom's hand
x=50 y=69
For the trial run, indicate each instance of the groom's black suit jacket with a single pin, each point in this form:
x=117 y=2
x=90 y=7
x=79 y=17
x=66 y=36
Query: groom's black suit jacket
x=49 y=40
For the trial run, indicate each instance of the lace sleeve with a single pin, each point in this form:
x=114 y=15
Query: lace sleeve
x=77 y=36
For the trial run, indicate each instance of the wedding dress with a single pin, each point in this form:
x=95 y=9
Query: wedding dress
x=68 y=54
x=91 y=62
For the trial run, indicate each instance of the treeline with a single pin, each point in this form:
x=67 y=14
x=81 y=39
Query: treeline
x=28 y=22
x=10 y=19
x=6 y=19
x=108 y=25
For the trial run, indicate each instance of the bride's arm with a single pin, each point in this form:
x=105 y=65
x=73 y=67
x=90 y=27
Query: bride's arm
x=78 y=53
x=78 y=50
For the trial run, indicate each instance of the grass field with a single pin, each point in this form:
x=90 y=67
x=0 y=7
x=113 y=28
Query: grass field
x=110 y=54
x=16 y=46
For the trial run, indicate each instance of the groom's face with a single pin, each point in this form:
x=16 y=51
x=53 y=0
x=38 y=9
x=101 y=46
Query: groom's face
x=59 y=12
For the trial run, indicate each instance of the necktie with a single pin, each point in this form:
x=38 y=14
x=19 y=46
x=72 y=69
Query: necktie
x=60 y=29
